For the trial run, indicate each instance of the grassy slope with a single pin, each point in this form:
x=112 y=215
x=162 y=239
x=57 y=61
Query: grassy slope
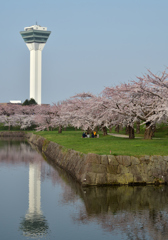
x=103 y=145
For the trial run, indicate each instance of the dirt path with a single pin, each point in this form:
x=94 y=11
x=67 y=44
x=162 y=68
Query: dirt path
x=126 y=136
x=120 y=135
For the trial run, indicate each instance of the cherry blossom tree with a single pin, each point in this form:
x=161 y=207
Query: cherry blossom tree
x=43 y=117
x=143 y=100
x=154 y=88
x=82 y=111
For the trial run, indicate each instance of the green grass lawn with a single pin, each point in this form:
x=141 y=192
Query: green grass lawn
x=103 y=145
x=118 y=146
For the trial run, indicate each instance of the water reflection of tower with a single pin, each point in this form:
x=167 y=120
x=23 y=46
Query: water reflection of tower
x=34 y=224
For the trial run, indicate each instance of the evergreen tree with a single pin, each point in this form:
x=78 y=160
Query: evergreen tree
x=29 y=102
x=26 y=102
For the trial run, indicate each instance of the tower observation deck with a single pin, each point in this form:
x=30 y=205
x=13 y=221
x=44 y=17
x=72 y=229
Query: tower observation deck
x=35 y=38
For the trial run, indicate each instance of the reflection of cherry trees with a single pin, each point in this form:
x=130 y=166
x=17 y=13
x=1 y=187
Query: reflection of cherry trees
x=139 y=212
x=135 y=224
x=13 y=152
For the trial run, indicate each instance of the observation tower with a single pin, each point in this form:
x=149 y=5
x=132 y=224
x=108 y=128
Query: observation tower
x=35 y=38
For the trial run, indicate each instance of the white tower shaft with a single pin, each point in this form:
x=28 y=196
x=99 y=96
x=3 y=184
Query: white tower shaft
x=35 y=70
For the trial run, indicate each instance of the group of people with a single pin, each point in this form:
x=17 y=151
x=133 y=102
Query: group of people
x=92 y=135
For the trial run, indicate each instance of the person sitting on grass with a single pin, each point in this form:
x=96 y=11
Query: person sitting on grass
x=84 y=135
x=93 y=135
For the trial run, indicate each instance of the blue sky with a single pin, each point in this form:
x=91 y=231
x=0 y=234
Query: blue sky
x=93 y=44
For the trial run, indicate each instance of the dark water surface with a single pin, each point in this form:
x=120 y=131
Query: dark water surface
x=40 y=201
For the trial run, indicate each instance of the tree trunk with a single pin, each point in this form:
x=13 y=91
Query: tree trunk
x=154 y=130
x=127 y=130
x=138 y=127
x=149 y=131
x=65 y=129
x=110 y=129
x=104 y=131
x=60 y=129
x=131 y=132
x=89 y=131
x=9 y=128
x=96 y=129
x=117 y=128
x=120 y=128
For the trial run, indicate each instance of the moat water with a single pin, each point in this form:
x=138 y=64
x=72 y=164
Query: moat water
x=40 y=201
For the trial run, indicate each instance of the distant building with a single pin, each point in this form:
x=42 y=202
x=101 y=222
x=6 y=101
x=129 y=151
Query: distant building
x=15 y=102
